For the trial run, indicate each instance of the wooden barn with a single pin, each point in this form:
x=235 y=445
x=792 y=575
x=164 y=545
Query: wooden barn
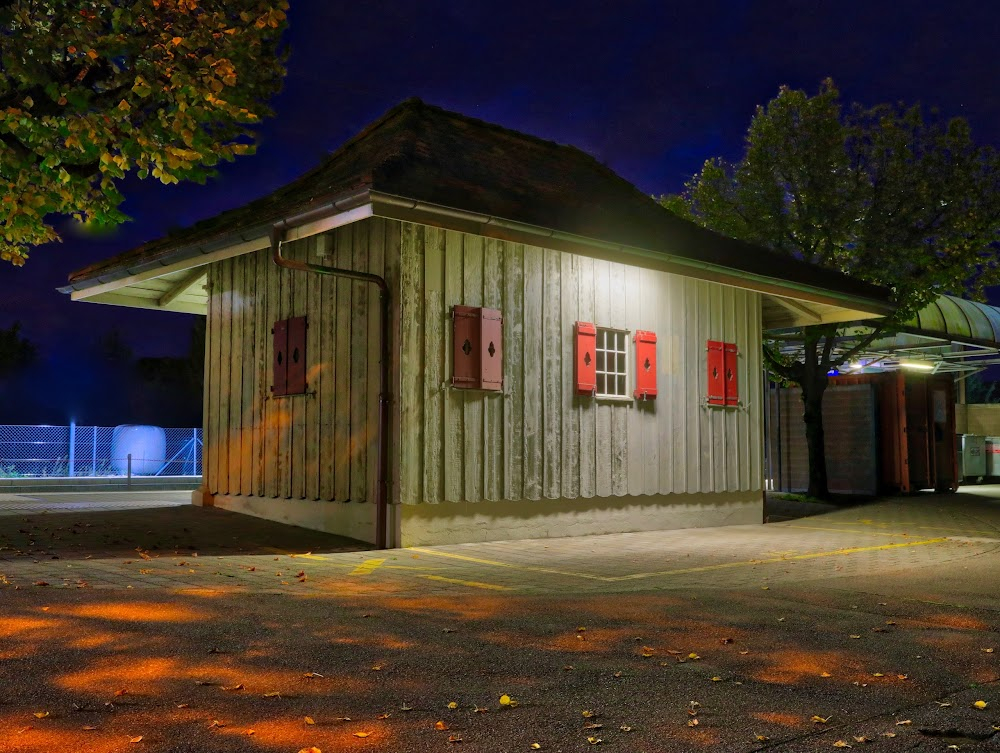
x=450 y=331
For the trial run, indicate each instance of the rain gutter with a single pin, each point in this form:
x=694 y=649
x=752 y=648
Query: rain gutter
x=312 y=223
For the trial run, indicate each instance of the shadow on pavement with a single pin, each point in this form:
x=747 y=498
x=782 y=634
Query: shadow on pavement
x=157 y=531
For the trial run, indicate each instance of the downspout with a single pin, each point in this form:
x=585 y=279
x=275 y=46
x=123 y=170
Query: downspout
x=382 y=453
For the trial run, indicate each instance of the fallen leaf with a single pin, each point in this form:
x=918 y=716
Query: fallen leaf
x=536 y=746
x=619 y=674
x=376 y=667
x=479 y=710
x=825 y=674
x=272 y=694
x=587 y=714
x=362 y=734
x=593 y=725
x=309 y=720
x=506 y=700
x=820 y=720
x=647 y=651
x=692 y=722
x=594 y=740
x=311 y=675
x=454 y=738
x=216 y=723
x=987 y=650
x=41 y=583
x=693 y=656
x=888 y=734
x=980 y=705
x=452 y=705
x=182 y=705
x=842 y=744
x=137 y=739
x=625 y=728
x=384 y=715
x=40 y=714
x=89 y=728
x=904 y=722
x=251 y=732
x=440 y=725
x=943 y=704
x=581 y=630
x=877 y=674
x=233 y=687
x=448 y=630
x=762 y=738
x=404 y=707
x=716 y=679
x=855 y=637
x=861 y=739
x=313 y=749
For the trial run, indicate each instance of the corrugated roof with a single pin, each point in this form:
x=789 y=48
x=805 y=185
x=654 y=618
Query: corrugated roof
x=427 y=154
x=958 y=319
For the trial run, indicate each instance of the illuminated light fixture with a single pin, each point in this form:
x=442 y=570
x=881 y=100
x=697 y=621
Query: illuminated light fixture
x=857 y=365
x=917 y=365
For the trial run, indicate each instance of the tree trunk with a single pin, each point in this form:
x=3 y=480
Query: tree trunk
x=812 y=401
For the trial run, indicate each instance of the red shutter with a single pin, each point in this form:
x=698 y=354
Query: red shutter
x=279 y=383
x=645 y=365
x=731 y=363
x=586 y=358
x=491 y=350
x=716 y=373
x=466 y=341
x=296 y=353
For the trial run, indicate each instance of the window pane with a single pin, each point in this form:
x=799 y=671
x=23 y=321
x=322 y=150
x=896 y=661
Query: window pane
x=600 y=385
x=621 y=363
x=621 y=385
x=600 y=360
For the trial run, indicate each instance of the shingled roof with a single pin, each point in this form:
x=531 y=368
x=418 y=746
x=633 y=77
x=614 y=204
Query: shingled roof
x=428 y=154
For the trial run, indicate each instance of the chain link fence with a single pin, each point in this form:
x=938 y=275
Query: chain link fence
x=98 y=451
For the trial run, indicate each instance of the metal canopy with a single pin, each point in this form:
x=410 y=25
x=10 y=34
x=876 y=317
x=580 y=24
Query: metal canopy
x=951 y=335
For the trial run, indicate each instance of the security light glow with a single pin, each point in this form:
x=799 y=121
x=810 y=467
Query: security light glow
x=917 y=365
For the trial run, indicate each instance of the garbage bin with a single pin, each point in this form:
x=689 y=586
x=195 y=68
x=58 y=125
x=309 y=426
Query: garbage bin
x=993 y=456
x=973 y=456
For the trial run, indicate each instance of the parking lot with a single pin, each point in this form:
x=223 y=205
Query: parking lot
x=198 y=629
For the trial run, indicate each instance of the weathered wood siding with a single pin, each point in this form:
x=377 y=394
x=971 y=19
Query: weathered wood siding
x=320 y=445
x=538 y=439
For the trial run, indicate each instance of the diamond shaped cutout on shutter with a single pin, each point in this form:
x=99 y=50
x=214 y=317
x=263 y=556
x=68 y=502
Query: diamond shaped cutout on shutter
x=586 y=358
x=492 y=350
x=646 y=365
x=467 y=347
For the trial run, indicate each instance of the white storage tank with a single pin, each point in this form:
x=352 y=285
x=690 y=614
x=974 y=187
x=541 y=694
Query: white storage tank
x=146 y=444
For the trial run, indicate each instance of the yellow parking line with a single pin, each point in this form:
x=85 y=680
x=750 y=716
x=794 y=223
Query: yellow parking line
x=470 y=583
x=772 y=560
x=495 y=563
x=682 y=571
x=366 y=567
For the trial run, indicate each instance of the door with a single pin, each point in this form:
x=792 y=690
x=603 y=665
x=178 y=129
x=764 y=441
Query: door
x=943 y=438
x=917 y=435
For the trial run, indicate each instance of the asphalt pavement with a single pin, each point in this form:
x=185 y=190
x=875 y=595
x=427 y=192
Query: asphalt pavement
x=138 y=623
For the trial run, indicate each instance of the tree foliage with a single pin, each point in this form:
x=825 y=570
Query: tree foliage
x=93 y=89
x=887 y=194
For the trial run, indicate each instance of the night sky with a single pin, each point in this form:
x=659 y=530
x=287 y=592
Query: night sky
x=651 y=89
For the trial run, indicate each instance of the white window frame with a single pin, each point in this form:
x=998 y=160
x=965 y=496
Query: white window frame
x=620 y=372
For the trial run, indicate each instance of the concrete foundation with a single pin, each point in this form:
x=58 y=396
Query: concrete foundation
x=463 y=522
